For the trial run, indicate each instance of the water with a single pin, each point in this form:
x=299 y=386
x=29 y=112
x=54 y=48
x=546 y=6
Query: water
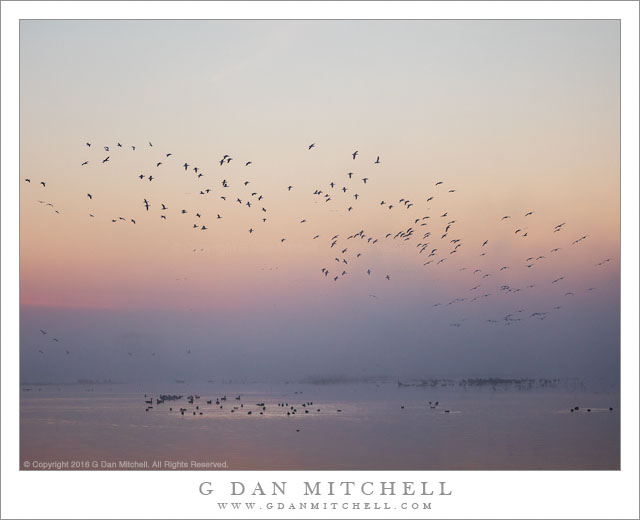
x=485 y=429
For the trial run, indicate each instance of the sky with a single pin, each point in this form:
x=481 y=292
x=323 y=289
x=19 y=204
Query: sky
x=515 y=116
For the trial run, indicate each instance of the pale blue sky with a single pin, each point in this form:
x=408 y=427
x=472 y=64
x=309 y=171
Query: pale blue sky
x=516 y=115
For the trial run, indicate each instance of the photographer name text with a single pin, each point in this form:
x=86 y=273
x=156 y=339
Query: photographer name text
x=331 y=488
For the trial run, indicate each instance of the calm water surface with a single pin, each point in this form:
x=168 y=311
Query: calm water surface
x=485 y=429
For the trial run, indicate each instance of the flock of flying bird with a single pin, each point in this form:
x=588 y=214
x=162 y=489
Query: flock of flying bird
x=433 y=235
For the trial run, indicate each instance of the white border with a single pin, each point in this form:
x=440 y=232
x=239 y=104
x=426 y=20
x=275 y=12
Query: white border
x=476 y=494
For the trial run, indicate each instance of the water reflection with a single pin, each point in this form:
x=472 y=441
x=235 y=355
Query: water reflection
x=299 y=426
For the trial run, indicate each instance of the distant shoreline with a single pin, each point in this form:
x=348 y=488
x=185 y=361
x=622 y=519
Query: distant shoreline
x=75 y=383
x=346 y=380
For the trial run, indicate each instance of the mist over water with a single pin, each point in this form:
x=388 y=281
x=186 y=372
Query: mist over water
x=290 y=345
